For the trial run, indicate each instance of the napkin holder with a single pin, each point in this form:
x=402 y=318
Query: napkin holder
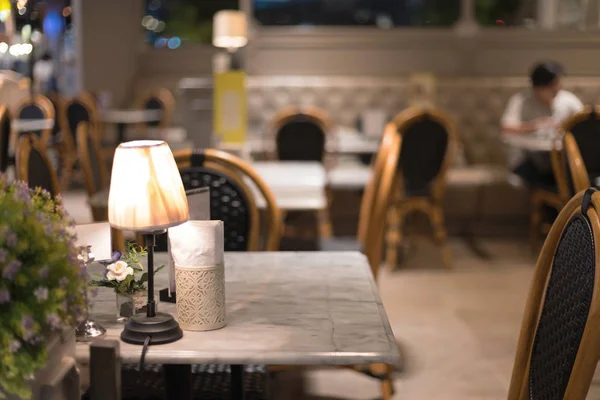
x=199 y=274
x=199 y=205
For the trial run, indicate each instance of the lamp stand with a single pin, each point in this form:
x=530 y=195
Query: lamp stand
x=160 y=327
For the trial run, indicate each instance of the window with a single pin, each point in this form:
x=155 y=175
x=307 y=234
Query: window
x=380 y=13
x=172 y=23
x=505 y=12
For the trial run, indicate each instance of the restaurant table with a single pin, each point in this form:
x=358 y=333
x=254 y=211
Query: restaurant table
x=31 y=125
x=297 y=186
x=122 y=118
x=342 y=141
x=283 y=308
x=530 y=142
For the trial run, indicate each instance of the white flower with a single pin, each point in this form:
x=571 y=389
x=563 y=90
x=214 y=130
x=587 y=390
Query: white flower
x=118 y=271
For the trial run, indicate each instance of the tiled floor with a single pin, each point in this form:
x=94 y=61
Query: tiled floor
x=457 y=329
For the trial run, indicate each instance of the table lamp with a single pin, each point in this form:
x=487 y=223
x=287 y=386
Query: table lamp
x=147 y=196
x=230 y=31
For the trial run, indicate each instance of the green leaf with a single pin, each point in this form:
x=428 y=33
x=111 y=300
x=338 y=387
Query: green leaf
x=143 y=278
x=158 y=269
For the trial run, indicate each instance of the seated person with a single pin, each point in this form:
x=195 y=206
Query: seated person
x=539 y=112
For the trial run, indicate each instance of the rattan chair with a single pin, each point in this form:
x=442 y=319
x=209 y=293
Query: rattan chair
x=72 y=113
x=232 y=197
x=5 y=132
x=428 y=147
x=37 y=107
x=33 y=165
x=157 y=99
x=559 y=342
x=96 y=177
x=302 y=134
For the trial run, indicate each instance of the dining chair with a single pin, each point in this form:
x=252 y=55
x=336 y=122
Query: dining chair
x=232 y=199
x=96 y=177
x=37 y=107
x=585 y=129
x=72 y=113
x=559 y=342
x=428 y=146
x=157 y=99
x=302 y=134
x=5 y=132
x=33 y=165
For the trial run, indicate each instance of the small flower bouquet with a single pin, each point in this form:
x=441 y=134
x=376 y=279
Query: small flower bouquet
x=42 y=286
x=126 y=276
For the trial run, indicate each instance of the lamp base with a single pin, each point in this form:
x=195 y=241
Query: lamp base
x=162 y=328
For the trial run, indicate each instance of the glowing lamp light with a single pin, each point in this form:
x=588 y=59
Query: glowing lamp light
x=230 y=29
x=3 y=47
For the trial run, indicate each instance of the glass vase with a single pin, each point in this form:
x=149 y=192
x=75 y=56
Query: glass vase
x=129 y=304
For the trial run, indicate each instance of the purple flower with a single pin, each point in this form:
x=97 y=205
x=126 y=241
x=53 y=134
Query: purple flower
x=4 y=296
x=14 y=346
x=54 y=321
x=3 y=255
x=11 y=239
x=116 y=256
x=27 y=325
x=93 y=291
x=41 y=293
x=11 y=269
x=48 y=228
x=44 y=272
x=63 y=282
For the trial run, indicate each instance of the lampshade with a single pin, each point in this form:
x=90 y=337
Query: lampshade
x=146 y=191
x=230 y=29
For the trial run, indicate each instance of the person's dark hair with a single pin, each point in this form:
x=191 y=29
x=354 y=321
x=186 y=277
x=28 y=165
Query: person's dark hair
x=47 y=56
x=543 y=74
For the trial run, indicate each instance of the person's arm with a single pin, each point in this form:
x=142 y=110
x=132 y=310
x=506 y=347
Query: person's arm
x=511 y=119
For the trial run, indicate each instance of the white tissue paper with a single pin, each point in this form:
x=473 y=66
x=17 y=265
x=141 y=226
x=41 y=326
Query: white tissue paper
x=197 y=248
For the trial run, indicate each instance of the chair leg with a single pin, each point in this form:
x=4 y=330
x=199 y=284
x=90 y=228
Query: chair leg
x=325 y=229
x=393 y=237
x=535 y=226
x=439 y=231
x=383 y=372
x=118 y=240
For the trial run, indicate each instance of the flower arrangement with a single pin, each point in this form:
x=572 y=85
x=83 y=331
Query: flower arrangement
x=43 y=282
x=125 y=273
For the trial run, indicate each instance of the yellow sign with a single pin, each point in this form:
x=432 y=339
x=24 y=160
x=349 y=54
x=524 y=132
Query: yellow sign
x=230 y=111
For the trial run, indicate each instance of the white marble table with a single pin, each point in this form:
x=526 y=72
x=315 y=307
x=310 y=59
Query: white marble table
x=121 y=118
x=31 y=125
x=531 y=142
x=295 y=185
x=305 y=308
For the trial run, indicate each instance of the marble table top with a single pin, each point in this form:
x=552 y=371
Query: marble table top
x=306 y=308
x=29 y=125
x=531 y=142
x=130 y=116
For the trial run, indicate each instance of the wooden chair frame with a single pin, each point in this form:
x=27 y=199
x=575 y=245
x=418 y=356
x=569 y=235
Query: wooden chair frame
x=48 y=109
x=27 y=142
x=431 y=205
x=166 y=97
x=589 y=347
x=4 y=163
x=577 y=169
x=542 y=197
x=236 y=168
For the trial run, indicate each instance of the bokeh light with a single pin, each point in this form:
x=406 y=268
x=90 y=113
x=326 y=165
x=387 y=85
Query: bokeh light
x=174 y=43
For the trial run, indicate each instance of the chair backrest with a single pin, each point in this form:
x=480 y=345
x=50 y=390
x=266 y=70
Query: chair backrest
x=232 y=200
x=428 y=146
x=38 y=107
x=74 y=112
x=5 y=133
x=158 y=99
x=578 y=177
x=377 y=167
x=91 y=160
x=559 y=341
x=301 y=135
x=33 y=165
x=376 y=217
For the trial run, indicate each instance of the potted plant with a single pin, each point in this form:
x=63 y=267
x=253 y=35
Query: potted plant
x=41 y=290
x=125 y=275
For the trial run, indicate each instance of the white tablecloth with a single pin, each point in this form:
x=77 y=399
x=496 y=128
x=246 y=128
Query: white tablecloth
x=130 y=116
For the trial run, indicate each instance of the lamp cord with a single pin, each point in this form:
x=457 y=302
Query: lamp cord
x=143 y=357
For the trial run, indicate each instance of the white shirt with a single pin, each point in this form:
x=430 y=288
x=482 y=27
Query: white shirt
x=524 y=107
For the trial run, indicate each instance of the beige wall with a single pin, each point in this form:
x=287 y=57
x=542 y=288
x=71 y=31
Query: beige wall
x=111 y=39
